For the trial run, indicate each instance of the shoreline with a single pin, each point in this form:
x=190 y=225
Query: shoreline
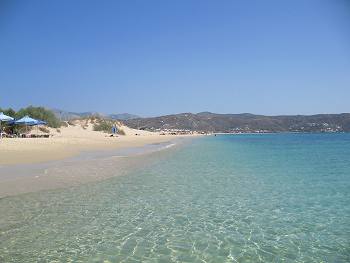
x=88 y=166
x=14 y=151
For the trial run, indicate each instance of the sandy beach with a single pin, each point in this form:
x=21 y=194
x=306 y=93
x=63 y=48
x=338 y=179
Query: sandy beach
x=74 y=155
x=70 y=141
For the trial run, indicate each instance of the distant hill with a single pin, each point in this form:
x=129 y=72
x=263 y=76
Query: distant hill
x=213 y=122
x=67 y=115
x=123 y=116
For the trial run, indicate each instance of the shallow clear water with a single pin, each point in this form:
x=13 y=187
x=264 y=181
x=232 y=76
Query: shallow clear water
x=229 y=198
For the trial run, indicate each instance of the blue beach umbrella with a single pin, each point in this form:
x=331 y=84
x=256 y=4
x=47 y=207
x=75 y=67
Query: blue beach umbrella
x=4 y=117
x=28 y=121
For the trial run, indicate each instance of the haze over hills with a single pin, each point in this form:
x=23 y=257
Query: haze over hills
x=233 y=123
x=67 y=115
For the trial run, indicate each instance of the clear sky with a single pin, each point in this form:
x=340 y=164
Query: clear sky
x=160 y=57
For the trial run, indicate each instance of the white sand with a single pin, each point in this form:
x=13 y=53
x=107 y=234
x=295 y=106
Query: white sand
x=70 y=141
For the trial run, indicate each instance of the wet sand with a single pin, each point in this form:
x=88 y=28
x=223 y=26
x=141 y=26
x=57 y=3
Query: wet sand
x=86 y=167
x=36 y=150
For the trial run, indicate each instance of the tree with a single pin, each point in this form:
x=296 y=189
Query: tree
x=40 y=113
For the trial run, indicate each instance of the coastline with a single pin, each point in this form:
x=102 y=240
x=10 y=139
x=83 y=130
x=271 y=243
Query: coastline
x=90 y=165
x=28 y=150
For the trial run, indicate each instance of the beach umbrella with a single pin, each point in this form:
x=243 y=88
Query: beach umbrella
x=4 y=117
x=27 y=121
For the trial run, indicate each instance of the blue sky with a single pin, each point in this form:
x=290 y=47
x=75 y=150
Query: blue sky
x=161 y=57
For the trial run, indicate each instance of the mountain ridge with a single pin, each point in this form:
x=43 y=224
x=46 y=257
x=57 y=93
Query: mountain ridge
x=244 y=122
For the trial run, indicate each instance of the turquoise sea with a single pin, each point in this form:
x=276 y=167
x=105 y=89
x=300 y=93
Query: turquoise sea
x=228 y=198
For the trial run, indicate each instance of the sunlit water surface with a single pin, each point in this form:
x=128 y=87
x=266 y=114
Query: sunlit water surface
x=229 y=198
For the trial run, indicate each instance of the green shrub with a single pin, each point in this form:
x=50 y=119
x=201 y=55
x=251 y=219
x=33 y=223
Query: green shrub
x=39 y=113
x=104 y=126
x=35 y=112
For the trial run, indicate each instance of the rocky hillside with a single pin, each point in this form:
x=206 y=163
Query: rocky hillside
x=212 y=122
